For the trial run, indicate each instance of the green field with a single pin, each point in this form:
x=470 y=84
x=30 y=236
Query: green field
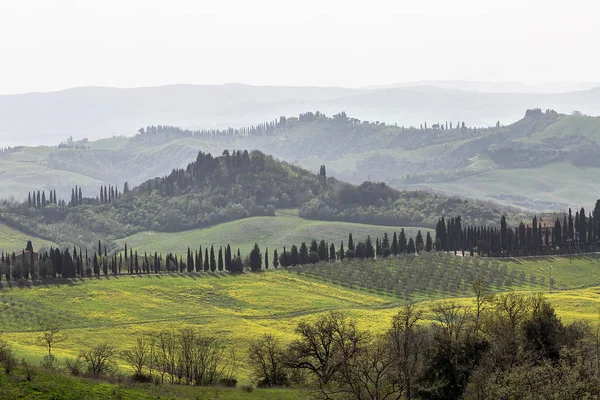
x=14 y=240
x=237 y=309
x=285 y=229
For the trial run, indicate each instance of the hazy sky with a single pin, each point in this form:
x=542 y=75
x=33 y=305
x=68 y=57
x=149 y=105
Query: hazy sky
x=50 y=45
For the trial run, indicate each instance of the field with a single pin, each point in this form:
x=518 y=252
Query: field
x=15 y=240
x=237 y=309
x=285 y=229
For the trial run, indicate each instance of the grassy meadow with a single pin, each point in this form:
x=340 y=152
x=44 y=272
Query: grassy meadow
x=14 y=240
x=284 y=229
x=239 y=308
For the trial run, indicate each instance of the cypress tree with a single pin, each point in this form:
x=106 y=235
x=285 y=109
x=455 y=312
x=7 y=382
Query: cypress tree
x=255 y=258
x=395 y=244
x=266 y=258
x=419 y=245
x=341 y=253
x=331 y=252
x=385 y=243
x=294 y=256
x=369 y=250
x=402 y=242
x=199 y=263
x=213 y=261
x=571 y=228
x=228 y=258
x=322 y=251
x=96 y=265
x=220 y=265
x=206 y=260
x=350 y=242
x=190 y=261
x=303 y=254
x=428 y=243
x=410 y=248
x=275 y=259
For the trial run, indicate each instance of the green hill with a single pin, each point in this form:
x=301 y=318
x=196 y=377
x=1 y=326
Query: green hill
x=439 y=155
x=283 y=229
x=233 y=186
x=238 y=308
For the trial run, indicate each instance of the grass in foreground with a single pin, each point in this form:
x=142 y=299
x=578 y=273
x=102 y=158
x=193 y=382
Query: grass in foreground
x=57 y=385
x=235 y=309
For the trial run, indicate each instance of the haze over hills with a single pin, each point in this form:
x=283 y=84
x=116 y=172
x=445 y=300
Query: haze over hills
x=553 y=155
x=98 y=112
x=498 y=87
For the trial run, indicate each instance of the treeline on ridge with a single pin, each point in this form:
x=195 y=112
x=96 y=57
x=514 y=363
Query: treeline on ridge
x=235 y=185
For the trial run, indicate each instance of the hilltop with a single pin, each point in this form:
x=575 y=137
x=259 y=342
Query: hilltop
x=96 y=112
x=213 y=190
x=554 y=156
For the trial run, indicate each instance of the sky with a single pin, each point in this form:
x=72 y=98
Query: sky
x=52 y=45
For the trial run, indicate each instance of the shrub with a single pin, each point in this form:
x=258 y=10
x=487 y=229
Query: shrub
x=228 y=382
x=74 y=366
x=7 y=356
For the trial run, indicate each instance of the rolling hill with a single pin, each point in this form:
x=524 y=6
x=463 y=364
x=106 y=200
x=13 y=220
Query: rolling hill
x=544 y=162
x=213 y=190
x=97 y=112
x=283 y=229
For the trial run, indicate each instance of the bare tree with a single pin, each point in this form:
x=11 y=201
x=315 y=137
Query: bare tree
x=51 y=334
x=325 y=347
x=483 y=296
x=370 y=374
x=265 y=356
x=138 y=356
x=408 y=340
x=100 y=359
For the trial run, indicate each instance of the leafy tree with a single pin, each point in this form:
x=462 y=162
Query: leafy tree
x=294 y=255
x=255 y=258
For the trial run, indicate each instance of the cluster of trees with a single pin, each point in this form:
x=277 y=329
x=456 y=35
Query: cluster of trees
x=377 y=203
x=570 y=233
x=504 y=346
x=235 y=185
x=77 y=263
x=38 y=201
x=319 y=251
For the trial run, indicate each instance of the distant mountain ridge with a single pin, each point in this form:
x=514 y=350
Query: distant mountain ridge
x=98 y=112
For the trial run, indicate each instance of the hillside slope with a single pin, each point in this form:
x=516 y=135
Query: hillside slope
x=213 y=190
x=544 y=161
